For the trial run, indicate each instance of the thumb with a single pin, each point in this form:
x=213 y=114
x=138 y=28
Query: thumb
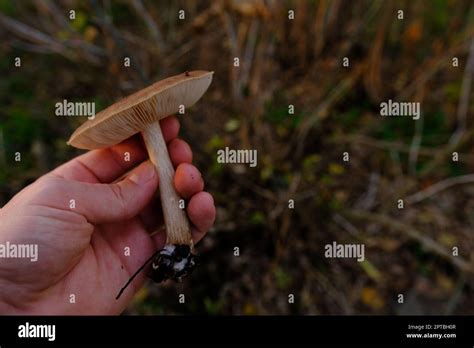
x=101 y=203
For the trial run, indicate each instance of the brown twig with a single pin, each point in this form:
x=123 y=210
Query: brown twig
x=249 y=51
x=372 y=76
x=235 y=51
x=447 y=152
x=149 y=22
x=395 y=146
x=283 y=199
x=464 y=97
x=367 y=200
x=346 y=224
x=104 y=20
x=432 y=66
x=438 y=187
x=428 y=243
x=456 y=296
x=417 y=136
x=320 y=25
x=322 y=111
x=33 y=35
x=44 y=43
x=52 y=9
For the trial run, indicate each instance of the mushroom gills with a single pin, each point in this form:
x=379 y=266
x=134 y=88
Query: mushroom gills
x=174 y=261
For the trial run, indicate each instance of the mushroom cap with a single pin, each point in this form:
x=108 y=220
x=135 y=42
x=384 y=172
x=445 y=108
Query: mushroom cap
x=133 y=113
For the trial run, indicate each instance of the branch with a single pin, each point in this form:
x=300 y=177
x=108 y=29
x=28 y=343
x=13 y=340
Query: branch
x=432 y=66
x=31 y=34
x=104 y=20
x=415 y=144
x=428 y=243
x=464 y=98
x=149 y=22
x=249 y=51
x=322 y=110
x=438 y=187
x=45 y=43
x=394 y=146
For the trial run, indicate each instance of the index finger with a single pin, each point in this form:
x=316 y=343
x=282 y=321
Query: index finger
x=106 y=165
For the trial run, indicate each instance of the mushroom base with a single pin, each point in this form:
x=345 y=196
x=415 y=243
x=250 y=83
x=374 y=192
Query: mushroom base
x=172 y=262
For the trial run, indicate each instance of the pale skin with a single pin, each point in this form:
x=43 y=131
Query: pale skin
x=82 y=250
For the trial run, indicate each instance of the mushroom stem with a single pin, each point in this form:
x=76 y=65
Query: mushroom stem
x=178 y=229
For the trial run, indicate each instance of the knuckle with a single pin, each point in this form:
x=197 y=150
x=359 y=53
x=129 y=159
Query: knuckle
x=47 y=187
x=121 y=200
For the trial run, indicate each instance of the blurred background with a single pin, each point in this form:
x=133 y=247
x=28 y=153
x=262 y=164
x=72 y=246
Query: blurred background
x=283 y=62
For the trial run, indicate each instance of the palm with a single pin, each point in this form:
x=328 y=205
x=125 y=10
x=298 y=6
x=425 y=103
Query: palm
x=81 y=255
x=104 y=267
x=104 y=258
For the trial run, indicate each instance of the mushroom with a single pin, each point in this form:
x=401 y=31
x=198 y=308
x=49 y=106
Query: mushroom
x=141 y=112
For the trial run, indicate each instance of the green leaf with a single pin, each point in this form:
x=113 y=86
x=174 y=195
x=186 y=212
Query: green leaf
x=371 y=270
x=232 y=125
x=257 y=218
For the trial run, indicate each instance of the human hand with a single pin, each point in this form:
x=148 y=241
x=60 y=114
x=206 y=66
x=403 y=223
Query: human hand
x=81 y=246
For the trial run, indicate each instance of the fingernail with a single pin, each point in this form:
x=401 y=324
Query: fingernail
x=143 y=174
